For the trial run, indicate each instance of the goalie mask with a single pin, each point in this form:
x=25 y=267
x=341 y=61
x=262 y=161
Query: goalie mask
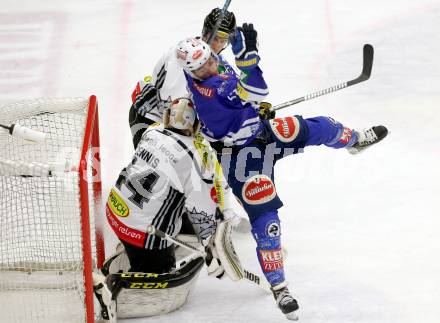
x=181 y=115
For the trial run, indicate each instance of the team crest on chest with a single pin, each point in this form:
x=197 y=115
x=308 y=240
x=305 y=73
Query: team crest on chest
x=285 y=129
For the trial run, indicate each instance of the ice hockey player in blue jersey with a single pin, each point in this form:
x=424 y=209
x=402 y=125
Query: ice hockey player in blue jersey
x=250 y=141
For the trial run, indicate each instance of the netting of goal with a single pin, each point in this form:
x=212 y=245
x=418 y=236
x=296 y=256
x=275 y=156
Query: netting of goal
x=50 y=196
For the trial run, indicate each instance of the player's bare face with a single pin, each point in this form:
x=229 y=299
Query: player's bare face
x=210 y=68
x=218 y=43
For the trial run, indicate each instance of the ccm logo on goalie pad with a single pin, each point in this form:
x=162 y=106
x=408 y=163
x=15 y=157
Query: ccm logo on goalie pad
x=117 y=204
x=285 y=129
x=271 y=260
x=150 y=285
x=258 y=189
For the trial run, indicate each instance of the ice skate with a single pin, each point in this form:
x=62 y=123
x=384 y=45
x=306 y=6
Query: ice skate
x=367 y=138
x=286 y=303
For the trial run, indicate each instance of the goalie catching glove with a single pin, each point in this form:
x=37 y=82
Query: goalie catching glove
x=221 y=257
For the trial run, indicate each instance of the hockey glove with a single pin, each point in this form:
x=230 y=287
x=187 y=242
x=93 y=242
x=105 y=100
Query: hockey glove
x=265 y=111
x=245 y=47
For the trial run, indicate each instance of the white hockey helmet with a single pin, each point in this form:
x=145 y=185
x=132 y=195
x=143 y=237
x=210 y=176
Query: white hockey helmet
x=181 y=115
x=192 y=53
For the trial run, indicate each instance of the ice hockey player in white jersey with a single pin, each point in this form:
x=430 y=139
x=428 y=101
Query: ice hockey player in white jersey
x=167 y=82
x=173 y=169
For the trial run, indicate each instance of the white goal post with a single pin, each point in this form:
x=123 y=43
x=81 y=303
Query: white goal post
x=50 y=211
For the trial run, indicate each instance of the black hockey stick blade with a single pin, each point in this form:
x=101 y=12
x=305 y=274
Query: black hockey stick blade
x=368 y=56
x=367 y=65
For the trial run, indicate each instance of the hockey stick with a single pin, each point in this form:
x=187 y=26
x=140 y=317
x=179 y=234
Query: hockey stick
x=25 y=133
x=219 y=21
x=368 y=56
x=249 y=276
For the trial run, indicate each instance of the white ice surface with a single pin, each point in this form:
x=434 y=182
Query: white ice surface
x=363 y=232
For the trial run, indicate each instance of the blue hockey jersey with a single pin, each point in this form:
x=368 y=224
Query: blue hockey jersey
x=227 y=105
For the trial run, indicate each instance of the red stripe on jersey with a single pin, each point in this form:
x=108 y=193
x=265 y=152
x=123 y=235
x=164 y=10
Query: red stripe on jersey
x=126 y=234
x=136 y=91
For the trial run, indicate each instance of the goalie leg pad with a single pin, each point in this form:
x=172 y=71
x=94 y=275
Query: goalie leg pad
x=266 y=230
x=225 y=252
x=148 y=294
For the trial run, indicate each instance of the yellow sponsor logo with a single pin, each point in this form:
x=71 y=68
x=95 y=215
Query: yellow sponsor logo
x=247 y=63
x=242 y=93
x=218 y=179
x=117 y=204
x=147 y=78
x=202 y=149
x=150 y=285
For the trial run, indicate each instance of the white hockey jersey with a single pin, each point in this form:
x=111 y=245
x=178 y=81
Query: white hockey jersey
x=168 y=172
x=166 y=83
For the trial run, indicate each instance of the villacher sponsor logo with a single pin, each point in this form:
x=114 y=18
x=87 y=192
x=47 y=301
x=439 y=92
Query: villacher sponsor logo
x=285 y=129
x=197 y=54
x=258 y=189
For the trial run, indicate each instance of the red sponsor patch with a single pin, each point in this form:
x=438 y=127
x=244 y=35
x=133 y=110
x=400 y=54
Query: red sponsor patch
x=258 y=189
x=197 y=54
x=181 y=54
x=285 y=129
x=132 y=236
x=214 y=195
x=205 y=91
x=346 y=136
x=271 y=260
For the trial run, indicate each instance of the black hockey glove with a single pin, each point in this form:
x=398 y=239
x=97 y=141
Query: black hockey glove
x=265 y=111
x=244 y=43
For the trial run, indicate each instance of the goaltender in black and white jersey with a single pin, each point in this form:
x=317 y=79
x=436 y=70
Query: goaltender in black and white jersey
x=173 y=169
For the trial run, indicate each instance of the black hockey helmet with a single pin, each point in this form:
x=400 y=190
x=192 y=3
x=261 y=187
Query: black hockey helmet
x=227 y=24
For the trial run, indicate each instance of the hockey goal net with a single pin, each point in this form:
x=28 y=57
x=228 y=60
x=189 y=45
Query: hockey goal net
x=50 y=195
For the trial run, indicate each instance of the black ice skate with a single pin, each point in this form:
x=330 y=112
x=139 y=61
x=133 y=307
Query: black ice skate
x=285 y=301
x=367 y=138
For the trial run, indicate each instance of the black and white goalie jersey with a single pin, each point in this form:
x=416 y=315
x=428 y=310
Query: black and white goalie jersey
x=169 y=172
